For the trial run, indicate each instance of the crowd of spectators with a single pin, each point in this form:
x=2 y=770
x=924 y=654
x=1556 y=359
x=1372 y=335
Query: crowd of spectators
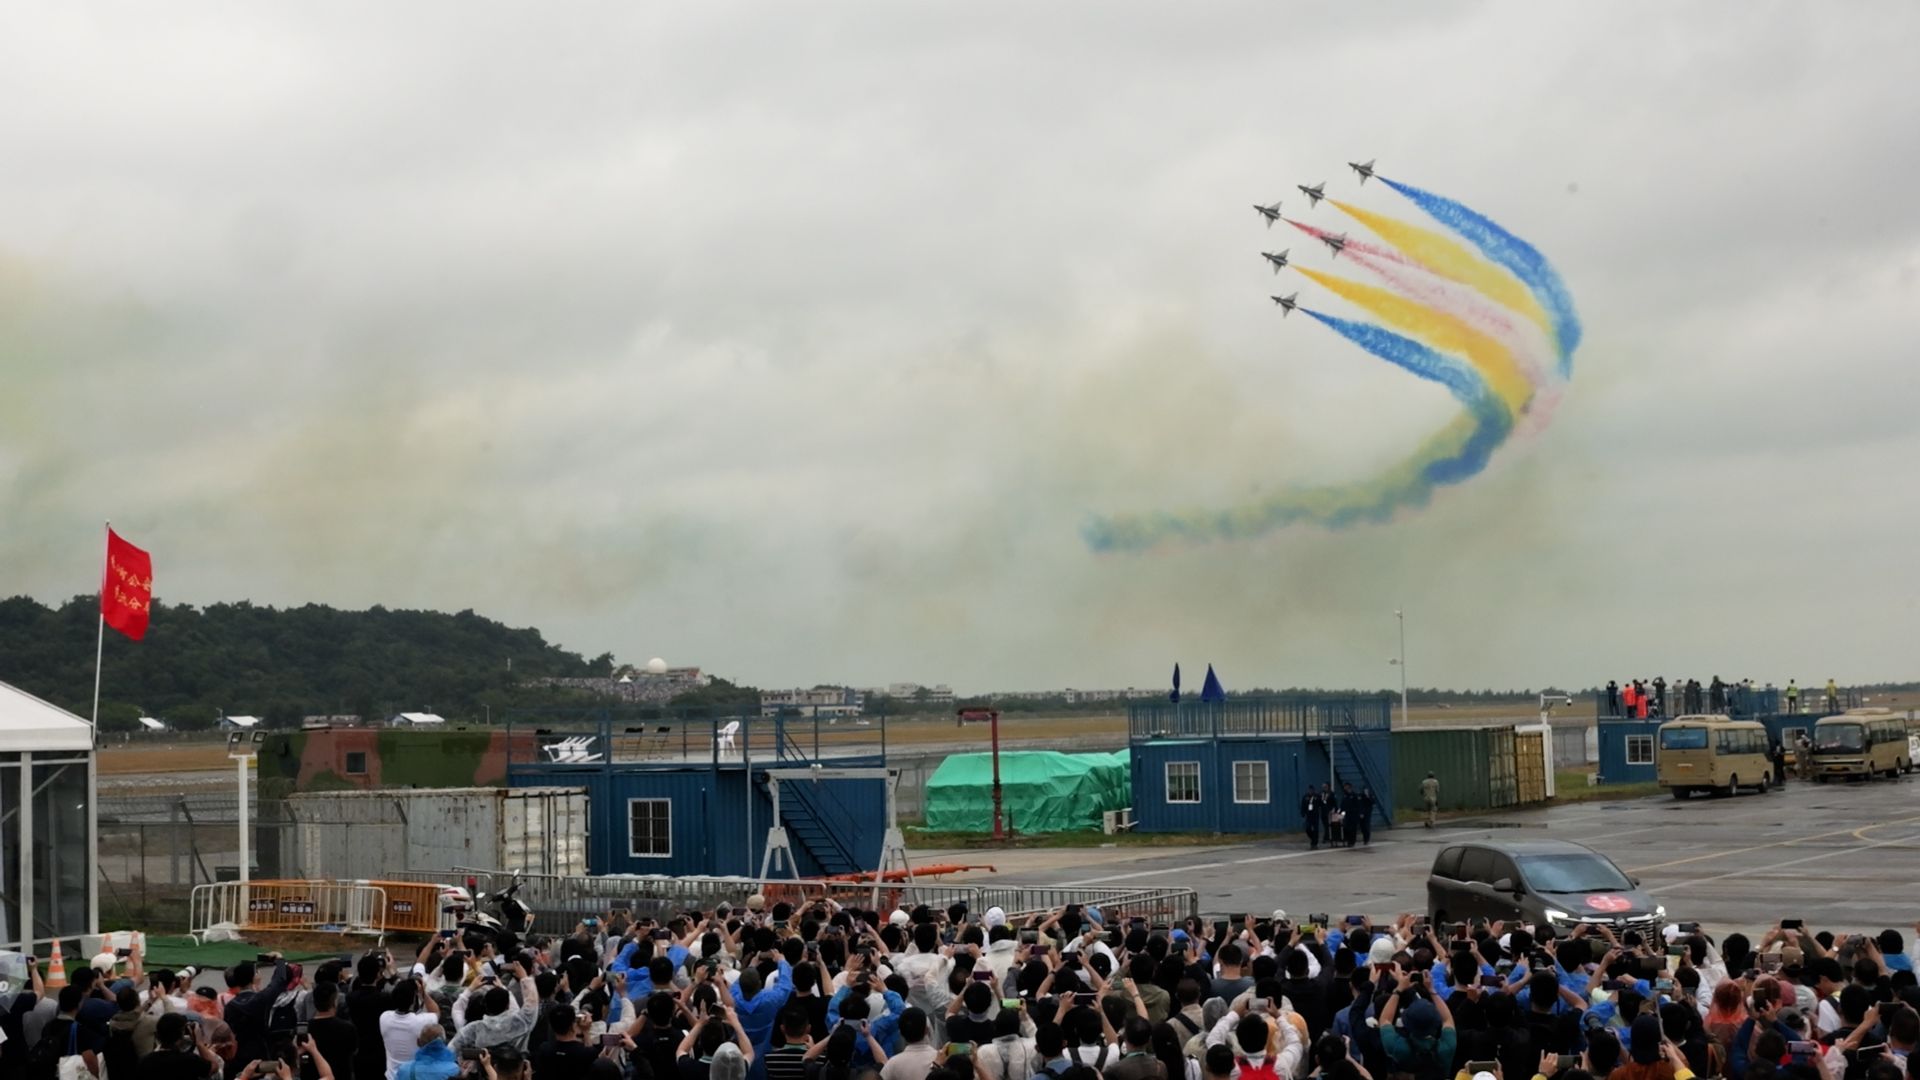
x=825 y=992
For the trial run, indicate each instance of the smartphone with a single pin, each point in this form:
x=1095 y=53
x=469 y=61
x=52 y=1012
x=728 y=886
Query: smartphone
x=263 y=958
x=957 y=1049
x=1028 y=937
x=619 y=905
x=300 y=1031
x=1792 y=924
x=1321 y=920
x=1010 y=1003
x=1803 y=1049
x=1356 y=920
x=1492 y=981
x=1689 y=927
x=1462 y=947
x=663 y=934
x=1564 y=1062
x=1676 y=950
x=1219 y=927
x=611 y=1038
x=1472 y=1067
x=1084 y=998
x=1663 y=986
x=1650 y=966
x=985 y=976
x=447 y=935
x=123 y=953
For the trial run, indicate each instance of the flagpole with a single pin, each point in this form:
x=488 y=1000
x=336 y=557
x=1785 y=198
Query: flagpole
x=93 y=776
x=99 y=651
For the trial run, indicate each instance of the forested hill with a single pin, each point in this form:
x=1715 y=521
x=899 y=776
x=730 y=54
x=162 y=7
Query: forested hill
x=279 y=664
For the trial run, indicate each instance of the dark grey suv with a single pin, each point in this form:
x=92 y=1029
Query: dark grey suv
x=1536 y=881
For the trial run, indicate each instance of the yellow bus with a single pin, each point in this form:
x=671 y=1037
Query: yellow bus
x=1860 y=743
x=1712 y=753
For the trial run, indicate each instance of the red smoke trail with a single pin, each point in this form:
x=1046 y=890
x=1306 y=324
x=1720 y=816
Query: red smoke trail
x=1353 y=247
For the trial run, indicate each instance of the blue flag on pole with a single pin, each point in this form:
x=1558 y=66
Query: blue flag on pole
x=1211 y=690
x=1175 y=696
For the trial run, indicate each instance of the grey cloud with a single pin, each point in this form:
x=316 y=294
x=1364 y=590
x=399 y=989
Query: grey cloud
x=801 y=341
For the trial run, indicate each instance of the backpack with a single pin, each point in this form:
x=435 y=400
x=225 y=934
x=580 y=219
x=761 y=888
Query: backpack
x=55 y=1045
x=1425 y=1063
x=1262 y=1071
x=1187 y=1022
x=120 y=1057
x=284 y=1017
x=1046 y=1073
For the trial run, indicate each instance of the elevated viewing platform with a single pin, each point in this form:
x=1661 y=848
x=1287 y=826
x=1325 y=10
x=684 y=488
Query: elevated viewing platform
x=1280 y=714
x=691 y=736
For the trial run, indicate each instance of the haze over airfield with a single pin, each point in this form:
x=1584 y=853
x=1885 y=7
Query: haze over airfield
x=800 y=342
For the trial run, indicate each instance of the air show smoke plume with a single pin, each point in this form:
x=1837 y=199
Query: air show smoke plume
x=1475 y=309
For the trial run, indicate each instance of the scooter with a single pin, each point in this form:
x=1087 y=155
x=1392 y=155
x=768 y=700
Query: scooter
x=478 y=929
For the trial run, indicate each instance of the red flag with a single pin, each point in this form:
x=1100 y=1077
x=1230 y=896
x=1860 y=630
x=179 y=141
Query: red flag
x=127 y=592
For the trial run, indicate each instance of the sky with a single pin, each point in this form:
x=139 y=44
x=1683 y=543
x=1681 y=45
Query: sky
x=801 y=342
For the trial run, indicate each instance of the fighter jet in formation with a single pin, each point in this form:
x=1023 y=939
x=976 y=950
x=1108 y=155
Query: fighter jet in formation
x=1279 y=261
x=1365 y=171
x=1336 y=241
x=1271 y=213
x=1315 y=193
x=1287 y=303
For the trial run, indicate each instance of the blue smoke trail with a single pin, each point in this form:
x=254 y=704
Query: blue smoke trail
x=1493 y=421
x=1518 y=256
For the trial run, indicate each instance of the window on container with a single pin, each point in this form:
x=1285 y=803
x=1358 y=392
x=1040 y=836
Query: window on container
x=1640 y=749
x=649 y=828
x=356 y=763
x=1250 y=782
x=1183 y=781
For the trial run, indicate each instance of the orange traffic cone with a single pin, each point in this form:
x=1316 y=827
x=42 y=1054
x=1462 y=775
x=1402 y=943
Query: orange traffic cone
x=56 y=969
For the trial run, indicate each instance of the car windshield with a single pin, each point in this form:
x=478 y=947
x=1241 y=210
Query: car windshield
x=1572 y=874
x=1840 y=738
x=1683 y=738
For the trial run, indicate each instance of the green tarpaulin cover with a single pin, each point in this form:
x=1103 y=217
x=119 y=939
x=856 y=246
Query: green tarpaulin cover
x=1040 y=791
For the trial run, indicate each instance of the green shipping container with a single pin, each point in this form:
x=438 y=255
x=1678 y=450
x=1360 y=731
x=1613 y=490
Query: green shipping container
x=1474 y=767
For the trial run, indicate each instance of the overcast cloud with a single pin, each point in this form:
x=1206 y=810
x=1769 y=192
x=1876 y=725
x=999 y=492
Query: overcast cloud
x=798 y=341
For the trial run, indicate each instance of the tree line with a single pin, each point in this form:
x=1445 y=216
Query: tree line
x=283 y=664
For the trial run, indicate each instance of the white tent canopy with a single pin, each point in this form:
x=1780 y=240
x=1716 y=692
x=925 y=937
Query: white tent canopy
x=27 y=723
x=417 y=718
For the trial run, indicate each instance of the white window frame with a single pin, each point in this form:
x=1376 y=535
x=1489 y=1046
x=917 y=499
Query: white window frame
x=1266 y=786
x=1645 y=743
x=632 y=846
x=1195 y=766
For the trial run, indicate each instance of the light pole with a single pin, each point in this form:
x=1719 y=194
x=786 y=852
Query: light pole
x=1400 y=617
x=243 y=747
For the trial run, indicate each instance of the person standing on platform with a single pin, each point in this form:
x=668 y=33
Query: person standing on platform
x=1366 y=815
x=1349 y=814
x=1430 y=795
x=1310 y=817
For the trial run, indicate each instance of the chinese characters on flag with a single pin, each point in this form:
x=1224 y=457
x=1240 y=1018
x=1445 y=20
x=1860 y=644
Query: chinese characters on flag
x=127 y=592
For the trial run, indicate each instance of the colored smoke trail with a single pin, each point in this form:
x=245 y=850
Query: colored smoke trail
x=1469 y=304
x=1455 y=453
x=1354 y=246
x=1449 y=312
x=1495 y=363
x=1518 y=256
x=1450 y=259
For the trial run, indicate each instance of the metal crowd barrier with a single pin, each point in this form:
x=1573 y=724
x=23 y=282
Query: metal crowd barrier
x=560 y=902
x=311 y=906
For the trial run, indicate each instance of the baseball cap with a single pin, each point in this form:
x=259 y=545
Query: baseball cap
x=995 y=916
x=1094 y=916
x=899 y=917
x=756 y=902
x=1381 y=952
x=1279 y=914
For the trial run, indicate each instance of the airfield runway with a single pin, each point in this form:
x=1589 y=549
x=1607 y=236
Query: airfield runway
x=1840 y=855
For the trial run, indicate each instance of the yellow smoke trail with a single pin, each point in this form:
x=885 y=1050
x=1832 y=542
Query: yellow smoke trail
x=1447 y=333
x=1450 y=259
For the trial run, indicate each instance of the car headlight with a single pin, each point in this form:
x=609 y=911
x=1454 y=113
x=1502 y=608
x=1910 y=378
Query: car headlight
x=1660 y=911
x=1556 y=915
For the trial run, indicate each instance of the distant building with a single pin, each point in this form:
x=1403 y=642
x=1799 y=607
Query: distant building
x=239 y=723
x=651 y=684
x=415 y=719
x=940 y=694
x=825 y=701
x=339 y=720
